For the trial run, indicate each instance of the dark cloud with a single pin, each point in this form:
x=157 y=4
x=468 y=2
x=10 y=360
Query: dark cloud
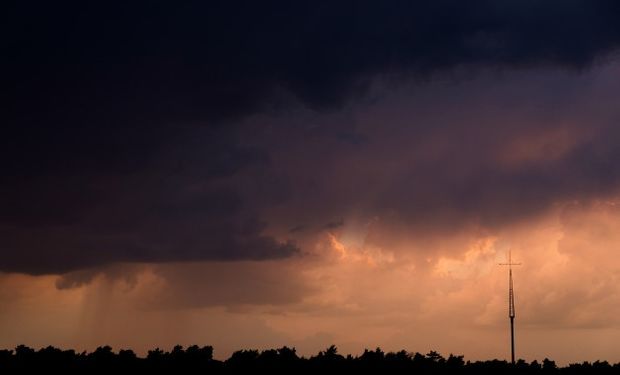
x=123 y=138
x=228 y=284
x=180 y=207
x=466 y=186
x=127 y=273
x=297 y=228
x=202 y=235
x=201 y=284
x=161 y=62
x=334 y=224
x=444 y=157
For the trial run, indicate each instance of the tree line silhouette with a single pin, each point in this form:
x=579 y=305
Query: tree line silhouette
x=199 y=360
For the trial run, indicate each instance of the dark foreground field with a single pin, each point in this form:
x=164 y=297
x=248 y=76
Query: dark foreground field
x=199 y=360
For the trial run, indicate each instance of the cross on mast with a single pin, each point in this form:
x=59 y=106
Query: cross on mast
x=511 y=304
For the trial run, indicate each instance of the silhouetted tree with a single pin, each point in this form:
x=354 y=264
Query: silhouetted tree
x=199 y=360
x=549 y=366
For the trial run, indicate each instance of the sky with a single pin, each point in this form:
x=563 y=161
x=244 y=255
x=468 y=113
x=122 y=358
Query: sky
x=251 y=174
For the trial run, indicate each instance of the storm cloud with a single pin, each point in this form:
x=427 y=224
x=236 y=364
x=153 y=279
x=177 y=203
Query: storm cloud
x=206 y=131
x=157 y=62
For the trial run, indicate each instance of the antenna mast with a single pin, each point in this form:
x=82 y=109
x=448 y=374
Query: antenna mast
x=511 y=304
